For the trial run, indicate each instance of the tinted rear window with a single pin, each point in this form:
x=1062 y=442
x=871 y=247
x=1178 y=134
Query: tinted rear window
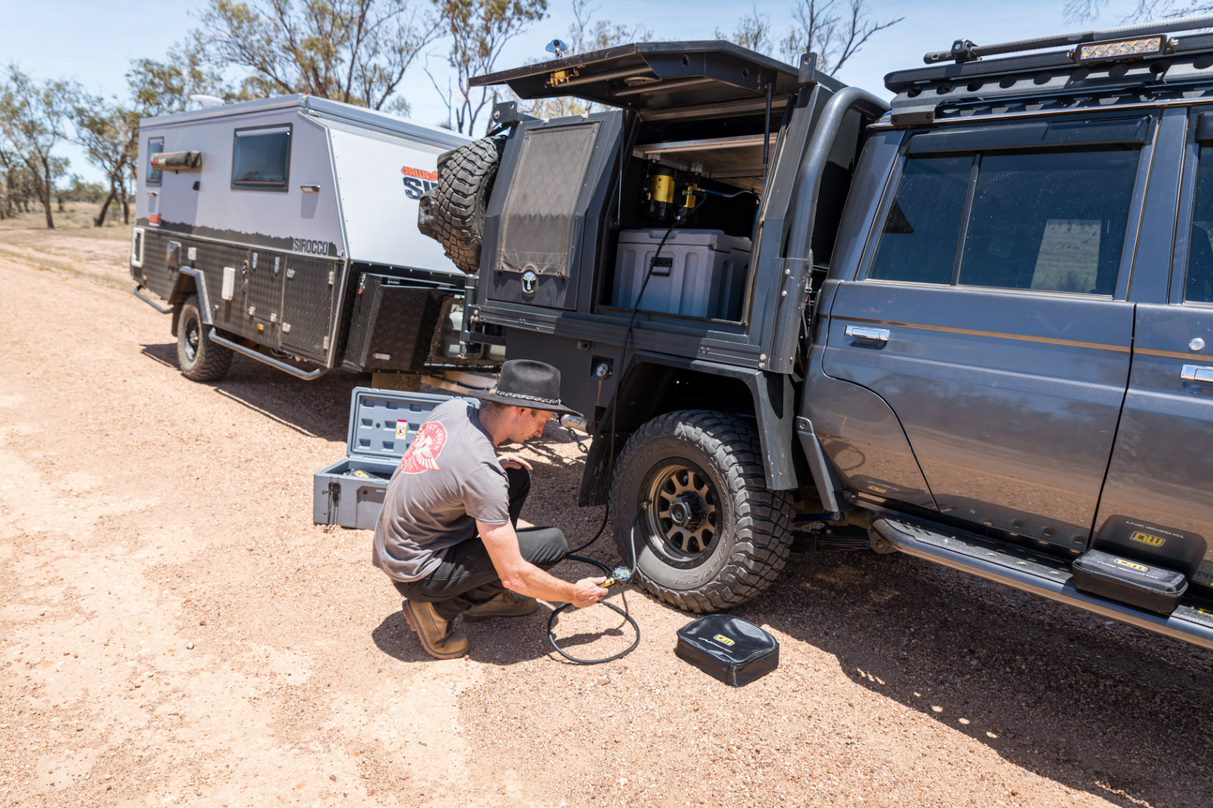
x=1200 y=256
x=922 y=229
x=1036 y=220
x=1053 y=221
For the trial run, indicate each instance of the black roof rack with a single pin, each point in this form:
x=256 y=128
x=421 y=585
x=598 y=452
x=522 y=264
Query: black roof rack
x=963 y=50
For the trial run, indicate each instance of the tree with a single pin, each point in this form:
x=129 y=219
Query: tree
x=478 y=30
x=355 y=51
x=161 y=88
x=586 y=34
x=754 y=32
x=1140 y=10
x=109 y=134
x=834 y=32
x=33 y=118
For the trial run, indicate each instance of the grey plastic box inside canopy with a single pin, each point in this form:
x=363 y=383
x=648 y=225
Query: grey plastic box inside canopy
x=699 y=273
x=350 y=492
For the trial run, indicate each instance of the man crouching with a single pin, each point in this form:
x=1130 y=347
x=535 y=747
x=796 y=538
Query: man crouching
x=446 y=535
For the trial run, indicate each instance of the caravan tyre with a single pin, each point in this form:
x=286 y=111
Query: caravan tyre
x=199 y=359
x=689 y=490
x=453 y=212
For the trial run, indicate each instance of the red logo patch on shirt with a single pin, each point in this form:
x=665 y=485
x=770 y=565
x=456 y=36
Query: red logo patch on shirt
x=426 y=447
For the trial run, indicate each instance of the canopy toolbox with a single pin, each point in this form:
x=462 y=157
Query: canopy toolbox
x=350 y=492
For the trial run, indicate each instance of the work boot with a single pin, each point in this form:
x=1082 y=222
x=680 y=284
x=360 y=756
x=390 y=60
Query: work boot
x=507 y=604
x=436 y=635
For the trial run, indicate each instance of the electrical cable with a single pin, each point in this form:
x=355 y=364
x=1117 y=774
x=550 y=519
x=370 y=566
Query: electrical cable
x=627 y=339
x=572 y=555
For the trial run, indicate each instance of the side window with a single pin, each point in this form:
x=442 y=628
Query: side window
x=1050 y=221
x=921 y=232
x=261 y=158
x=1200 y=257
x=154 y=146
x=1044 y=220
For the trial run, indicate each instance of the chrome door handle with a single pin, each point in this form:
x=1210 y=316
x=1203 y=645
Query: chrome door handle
x=1196 y=373
x=880 y=335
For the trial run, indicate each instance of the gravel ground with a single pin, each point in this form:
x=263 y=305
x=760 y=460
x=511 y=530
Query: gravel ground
x=177 y=631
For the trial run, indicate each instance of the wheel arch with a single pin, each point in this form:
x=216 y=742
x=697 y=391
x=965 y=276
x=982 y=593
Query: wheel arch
x=190 y=281
x=654 y=384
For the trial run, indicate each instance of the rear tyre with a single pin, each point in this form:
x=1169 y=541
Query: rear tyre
x=199 y=359
x=453 y=212
x=708 y=533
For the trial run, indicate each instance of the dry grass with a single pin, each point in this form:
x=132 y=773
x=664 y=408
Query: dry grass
x=75 y=247
x=76 y=219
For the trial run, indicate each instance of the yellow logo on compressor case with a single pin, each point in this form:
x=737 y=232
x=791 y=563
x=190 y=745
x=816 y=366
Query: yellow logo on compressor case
x=1148 y=539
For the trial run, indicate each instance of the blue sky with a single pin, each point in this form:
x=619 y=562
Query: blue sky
x=93 y=42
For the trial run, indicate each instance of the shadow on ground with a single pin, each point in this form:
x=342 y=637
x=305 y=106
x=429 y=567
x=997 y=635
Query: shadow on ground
x=319 y=408
x=1100 y=707
x=495 y=642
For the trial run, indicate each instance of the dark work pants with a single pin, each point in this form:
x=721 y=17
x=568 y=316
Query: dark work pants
x=466 y=577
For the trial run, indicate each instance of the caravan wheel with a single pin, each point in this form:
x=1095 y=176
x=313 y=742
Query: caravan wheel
x=199 y=359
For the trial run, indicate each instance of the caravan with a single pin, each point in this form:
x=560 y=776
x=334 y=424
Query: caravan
x=285 y=229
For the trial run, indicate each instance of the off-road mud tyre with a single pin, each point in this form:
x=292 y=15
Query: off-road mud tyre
x=729 y=561
x=200 y=359
x=453 y=211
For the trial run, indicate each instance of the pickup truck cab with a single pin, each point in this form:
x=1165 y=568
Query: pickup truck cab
x=977 y=321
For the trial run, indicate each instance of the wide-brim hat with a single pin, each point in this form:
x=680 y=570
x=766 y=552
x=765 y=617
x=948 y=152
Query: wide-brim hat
x=528 y=383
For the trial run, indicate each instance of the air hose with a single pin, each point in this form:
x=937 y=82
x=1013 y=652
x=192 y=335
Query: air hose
x=619 y=576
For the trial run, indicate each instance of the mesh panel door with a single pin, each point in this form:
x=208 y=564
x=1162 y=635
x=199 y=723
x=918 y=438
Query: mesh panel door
x=533 y=264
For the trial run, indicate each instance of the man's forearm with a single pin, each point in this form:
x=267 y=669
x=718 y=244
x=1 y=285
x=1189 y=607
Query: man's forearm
x=535 y=582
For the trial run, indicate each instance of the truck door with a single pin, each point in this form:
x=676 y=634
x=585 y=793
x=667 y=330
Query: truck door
x=1157 y=498
x=990 y=313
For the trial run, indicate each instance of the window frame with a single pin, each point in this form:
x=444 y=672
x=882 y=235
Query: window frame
x=1137 y=139
x=256 y=185
x=1200 y=135
x=155 y=176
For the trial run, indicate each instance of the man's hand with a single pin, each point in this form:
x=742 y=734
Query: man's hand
x=588 y=592
x=513 y=461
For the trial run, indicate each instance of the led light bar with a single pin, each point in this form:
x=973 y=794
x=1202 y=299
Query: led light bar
x=1122 y=49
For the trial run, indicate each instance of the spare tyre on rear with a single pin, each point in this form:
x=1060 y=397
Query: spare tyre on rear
x=452 y=212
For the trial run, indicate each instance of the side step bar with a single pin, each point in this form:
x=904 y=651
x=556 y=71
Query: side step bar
x=139 y=292
x=1038 y=574
x=285 y=367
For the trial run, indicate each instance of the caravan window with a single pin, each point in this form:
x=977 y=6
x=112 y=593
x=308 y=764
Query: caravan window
x=261 y=158
x=154 y=146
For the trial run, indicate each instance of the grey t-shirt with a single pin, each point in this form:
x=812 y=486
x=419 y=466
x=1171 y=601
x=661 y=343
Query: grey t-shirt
x=448 y=479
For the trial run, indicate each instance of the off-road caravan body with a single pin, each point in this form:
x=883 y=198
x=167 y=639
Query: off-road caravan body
x=285 y=229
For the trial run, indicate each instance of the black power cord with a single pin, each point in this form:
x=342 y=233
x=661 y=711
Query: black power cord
x=606 y=514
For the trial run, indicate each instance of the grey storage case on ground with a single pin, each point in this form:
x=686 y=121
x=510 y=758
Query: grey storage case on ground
x=700 y=273
x=350 y=492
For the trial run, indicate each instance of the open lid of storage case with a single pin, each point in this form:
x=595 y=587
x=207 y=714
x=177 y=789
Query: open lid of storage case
x=654 y=75
x=383 y=422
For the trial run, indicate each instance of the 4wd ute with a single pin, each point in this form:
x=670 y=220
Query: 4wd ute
x=977 y=322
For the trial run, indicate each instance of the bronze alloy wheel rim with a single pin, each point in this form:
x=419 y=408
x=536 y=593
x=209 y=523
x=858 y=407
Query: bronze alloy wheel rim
x=682 y=513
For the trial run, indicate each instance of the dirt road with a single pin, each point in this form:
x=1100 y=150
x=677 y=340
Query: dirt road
x=177 y=631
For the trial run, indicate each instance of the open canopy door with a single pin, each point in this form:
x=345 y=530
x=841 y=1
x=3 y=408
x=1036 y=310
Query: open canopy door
x=654 y=76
